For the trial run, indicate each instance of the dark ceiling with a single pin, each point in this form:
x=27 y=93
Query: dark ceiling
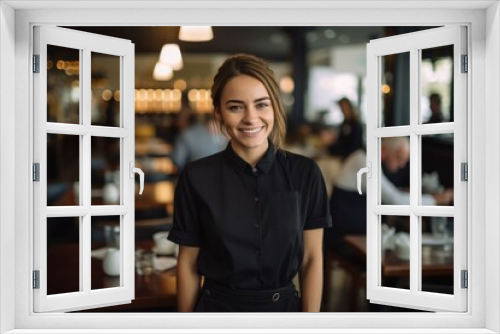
x=273 y=43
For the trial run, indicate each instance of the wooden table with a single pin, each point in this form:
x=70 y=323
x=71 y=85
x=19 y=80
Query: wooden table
x=155 y=291
x=435 y=262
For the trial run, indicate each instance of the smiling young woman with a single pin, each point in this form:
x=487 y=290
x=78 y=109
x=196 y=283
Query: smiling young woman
x=250 y=218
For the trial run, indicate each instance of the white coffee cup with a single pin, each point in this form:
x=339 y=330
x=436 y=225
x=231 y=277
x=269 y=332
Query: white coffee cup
x=111 y=262
x=162 y=244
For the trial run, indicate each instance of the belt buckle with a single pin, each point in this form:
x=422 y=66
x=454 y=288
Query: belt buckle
x=276 y=297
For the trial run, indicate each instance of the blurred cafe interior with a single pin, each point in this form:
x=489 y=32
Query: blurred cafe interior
x=321 y=72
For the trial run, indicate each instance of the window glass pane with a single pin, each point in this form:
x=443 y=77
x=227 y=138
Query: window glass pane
x=437 y=84
x=105 y=250
x=395 y=166
x=395 y=246
x=437 y=169
x=63 y=170
x=395 y=89
x=105 y=89
x=63 y=85
x=63 y=255
x=105 y=169
x=437 y=254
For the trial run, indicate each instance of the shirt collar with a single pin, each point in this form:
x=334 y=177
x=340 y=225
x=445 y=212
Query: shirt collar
x=264 y=165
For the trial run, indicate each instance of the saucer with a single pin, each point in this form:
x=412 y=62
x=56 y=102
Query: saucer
x=168 y=252
x=164 y=263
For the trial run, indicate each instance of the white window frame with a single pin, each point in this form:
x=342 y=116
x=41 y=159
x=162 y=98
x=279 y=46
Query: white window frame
x=123 y=51
x=413 y=44
x=483 y=21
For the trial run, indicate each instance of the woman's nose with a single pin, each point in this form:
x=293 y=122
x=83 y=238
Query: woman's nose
x=250 y=114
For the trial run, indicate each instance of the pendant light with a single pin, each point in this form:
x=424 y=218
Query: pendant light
x=162 y=72
x=171 y=55
x=196 y=33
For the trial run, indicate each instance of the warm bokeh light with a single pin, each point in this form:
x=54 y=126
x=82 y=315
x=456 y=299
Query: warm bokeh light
x=107 y=95
x=287 y=85
x=386 y=89
x=180 y=84
x=158 y=100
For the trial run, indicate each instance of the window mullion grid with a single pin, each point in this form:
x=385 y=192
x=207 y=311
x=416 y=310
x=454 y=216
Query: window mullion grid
x=85 y=247
x=415 y=158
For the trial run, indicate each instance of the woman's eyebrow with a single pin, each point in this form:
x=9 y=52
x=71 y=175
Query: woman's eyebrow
x=262 y=99
x=233 y=101
x=256 y=100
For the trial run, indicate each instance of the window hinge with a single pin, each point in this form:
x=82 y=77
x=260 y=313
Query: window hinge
x=36 y=63
x=36 y=279
x=36 y=172
x=465 y=64
x=465 y=279
x=464 y=171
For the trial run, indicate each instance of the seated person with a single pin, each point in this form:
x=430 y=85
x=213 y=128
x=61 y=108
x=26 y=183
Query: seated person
x=348 y=207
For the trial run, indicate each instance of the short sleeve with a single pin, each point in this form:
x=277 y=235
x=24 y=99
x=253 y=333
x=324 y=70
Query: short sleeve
x=318 y=209
x=186 y=229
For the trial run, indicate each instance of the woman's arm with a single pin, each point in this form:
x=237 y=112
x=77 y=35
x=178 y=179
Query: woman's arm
x=188 y=279
x=311 y=271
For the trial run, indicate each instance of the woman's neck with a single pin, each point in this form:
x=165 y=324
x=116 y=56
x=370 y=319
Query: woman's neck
x=251 y=155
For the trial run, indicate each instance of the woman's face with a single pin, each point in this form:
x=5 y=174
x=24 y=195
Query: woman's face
x=247 y=114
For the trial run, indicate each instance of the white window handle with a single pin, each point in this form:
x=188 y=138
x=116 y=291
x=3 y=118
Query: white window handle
x=368 y=171
x=141 y=175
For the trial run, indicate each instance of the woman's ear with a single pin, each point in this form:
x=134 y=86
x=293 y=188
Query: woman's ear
x=217 y=115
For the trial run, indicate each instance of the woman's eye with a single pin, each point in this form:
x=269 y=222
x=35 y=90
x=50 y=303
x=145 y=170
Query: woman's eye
x=262 y=105
x=235 y=108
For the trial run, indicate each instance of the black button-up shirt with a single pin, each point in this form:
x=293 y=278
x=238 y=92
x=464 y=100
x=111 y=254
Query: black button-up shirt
x=249 y=222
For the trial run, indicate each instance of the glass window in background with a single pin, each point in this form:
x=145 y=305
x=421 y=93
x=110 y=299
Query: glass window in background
x=63 y=85
x=105 y=89
x=395 y=89
x=326 y=88
x=437 y=84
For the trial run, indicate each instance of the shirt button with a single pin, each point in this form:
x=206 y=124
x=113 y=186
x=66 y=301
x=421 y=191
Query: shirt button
x=254 y=170
x=257 y=225
x=256 y=199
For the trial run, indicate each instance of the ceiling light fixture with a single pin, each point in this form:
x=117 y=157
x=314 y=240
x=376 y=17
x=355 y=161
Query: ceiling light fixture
x=162 y=72
x=171 y=55
x=196 y=33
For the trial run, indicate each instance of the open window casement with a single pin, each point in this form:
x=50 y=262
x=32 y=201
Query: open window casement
x=410 y=49
x=62 y=67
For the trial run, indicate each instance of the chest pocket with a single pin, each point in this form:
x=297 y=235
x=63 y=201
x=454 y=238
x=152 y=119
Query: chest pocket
x=281 y=211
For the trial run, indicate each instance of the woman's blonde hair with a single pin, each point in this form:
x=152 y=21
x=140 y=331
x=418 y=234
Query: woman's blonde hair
x=244 y=64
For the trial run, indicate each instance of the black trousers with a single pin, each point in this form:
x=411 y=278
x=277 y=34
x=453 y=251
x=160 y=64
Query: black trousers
x=219 y=298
